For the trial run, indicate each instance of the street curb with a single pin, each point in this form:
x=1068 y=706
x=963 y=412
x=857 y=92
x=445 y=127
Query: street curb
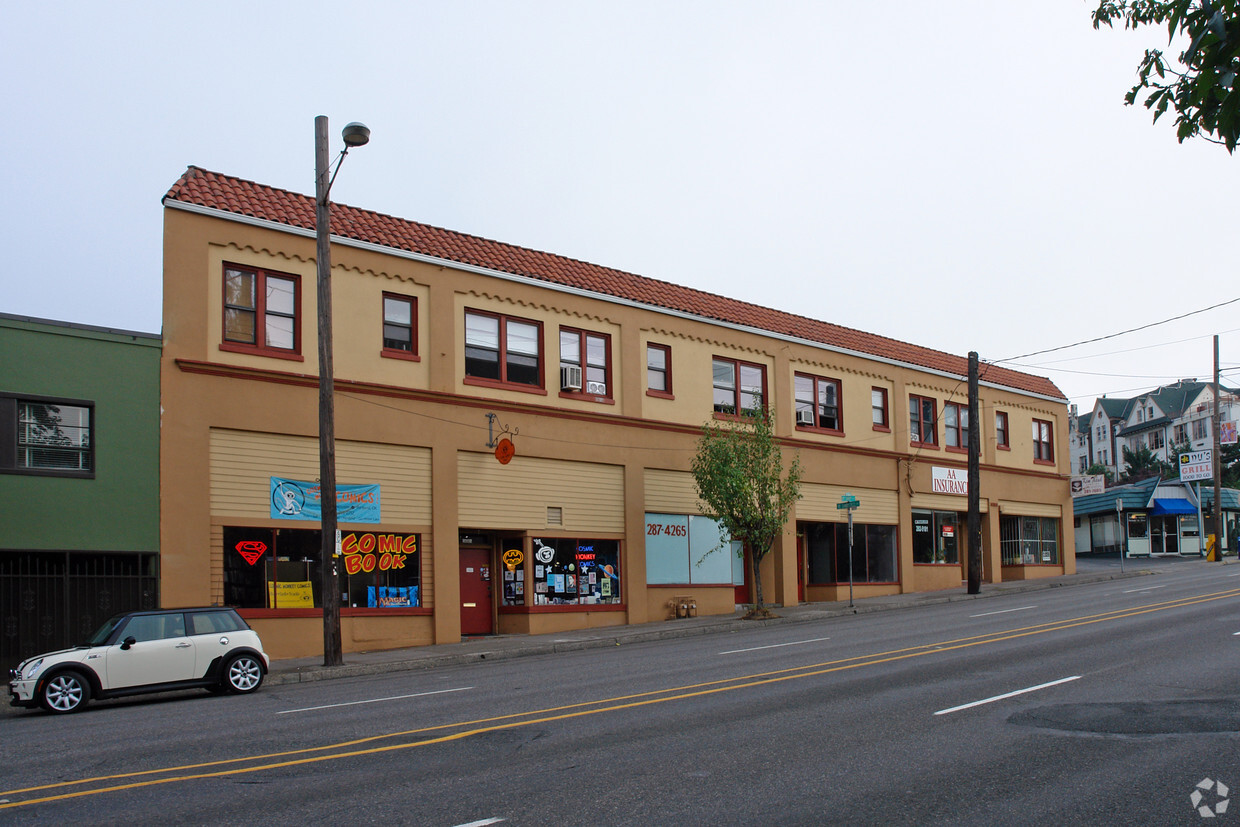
x=534 y=648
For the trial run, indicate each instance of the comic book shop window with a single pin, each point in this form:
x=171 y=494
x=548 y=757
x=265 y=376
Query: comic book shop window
x=576 y=572
x=266 y=568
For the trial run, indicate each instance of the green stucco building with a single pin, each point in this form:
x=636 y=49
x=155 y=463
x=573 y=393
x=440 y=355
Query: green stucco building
x=79 y=480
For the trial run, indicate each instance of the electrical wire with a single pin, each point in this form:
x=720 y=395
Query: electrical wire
x=1120 y=333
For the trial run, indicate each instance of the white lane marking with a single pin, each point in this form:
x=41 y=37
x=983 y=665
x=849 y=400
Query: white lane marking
x=1237 y=574
x=374 y=700
x=483 y=823
x=1146 y=589
x=774 y=646
x=1004 y=611
x=1008 y=695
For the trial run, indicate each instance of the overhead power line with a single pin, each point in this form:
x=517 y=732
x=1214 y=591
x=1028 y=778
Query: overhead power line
x=1114 y=335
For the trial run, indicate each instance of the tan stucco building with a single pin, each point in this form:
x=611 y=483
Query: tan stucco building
x=446 y=345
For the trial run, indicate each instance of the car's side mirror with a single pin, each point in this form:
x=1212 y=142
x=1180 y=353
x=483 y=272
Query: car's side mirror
x=129 y=641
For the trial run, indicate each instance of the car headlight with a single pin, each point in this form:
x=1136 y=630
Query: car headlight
x=31 y=669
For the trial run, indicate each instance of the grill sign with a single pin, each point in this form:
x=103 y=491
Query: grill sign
x=1196 y=465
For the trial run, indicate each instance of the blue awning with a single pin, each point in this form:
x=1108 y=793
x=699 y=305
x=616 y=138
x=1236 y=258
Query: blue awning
x=1178 y=506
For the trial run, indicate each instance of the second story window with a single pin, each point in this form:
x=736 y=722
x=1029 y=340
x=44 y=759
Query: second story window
x=739 y=386
x=878 y=409
x=400 y=326
x=817 y=402
x=1001 y=430
x=503 y=349
x=585 y=362
x=1043 y=441
x=923 y=421
x=956 y=425
x=260 y=312
x=658 y=370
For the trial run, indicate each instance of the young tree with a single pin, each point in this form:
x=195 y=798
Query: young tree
x=1141 y=464
x=739 y=472
x=1099 y=469
x=1204 y=93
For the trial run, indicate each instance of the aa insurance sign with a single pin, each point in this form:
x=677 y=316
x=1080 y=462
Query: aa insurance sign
x=1196 y=465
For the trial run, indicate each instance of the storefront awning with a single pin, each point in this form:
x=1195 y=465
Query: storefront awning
x=1177 y=506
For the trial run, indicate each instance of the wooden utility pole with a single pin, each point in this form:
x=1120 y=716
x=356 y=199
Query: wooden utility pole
x=332 y=650
x=975 y=481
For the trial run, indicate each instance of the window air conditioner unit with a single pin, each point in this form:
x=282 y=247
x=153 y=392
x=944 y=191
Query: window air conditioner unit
x=570 y=378
x=596 y=388
x=805 y=417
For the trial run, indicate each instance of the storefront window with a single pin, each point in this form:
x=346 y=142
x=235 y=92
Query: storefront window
x=873 y=554
x=1138 y=526
x=1027 y=541
x=936 y=537
x=267 y=568
x=576 y=572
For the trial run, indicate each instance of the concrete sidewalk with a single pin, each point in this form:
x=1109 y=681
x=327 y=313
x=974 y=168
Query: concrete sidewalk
x=499 y=647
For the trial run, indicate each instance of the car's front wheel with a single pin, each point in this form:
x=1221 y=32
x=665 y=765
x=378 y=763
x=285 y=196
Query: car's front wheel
x=243 y=674
x=64 y=693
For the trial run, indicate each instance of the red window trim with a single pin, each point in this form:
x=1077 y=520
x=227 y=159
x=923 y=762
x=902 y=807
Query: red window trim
x=508 y=386
x=1050 y=443
x=736 y=376
x=934 y=423
x=260 y=314
x=396 y=353
x=885 y=426
x=839 y=404
x=582 y=334
x=1006 y=444
x=564 y=608
x=959 y=429
x=539 y=389
x=667 y=371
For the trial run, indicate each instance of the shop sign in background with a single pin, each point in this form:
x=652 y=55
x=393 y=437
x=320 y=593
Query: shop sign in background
x=300 y=500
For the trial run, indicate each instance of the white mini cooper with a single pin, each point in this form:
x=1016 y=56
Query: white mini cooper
x=139 y=652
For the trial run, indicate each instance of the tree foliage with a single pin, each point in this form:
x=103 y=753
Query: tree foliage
x=1200 y=83
x=740 y=478
x=1142 y=464
x=1099 y=469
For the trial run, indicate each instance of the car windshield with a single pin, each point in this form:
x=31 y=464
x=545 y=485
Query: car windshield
x=102 y=634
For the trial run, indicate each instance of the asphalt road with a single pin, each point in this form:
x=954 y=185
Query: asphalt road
x=1109 y=703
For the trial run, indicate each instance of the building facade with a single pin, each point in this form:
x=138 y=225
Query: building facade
x=79 y=480
x=514 y=432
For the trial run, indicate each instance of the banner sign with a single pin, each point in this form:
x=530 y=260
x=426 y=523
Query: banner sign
x=949 y=480
x=1196 y=465
x=298 y=500
x=1227 y=433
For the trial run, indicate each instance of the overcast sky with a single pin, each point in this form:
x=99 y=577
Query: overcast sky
x=961 y=175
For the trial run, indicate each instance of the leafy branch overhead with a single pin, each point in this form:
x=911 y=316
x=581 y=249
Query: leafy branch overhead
x=1199 y=84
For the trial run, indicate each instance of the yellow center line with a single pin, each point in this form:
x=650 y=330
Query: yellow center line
x=570 y=711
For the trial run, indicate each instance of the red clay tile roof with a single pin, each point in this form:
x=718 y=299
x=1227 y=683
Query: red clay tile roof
x=235 y=195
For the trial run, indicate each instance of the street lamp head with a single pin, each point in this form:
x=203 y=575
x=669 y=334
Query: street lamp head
x=355 y=134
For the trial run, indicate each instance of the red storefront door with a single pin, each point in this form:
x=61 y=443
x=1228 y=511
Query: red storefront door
x=476 y=592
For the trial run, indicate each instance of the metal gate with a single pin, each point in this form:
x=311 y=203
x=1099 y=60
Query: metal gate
x=53 y=600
